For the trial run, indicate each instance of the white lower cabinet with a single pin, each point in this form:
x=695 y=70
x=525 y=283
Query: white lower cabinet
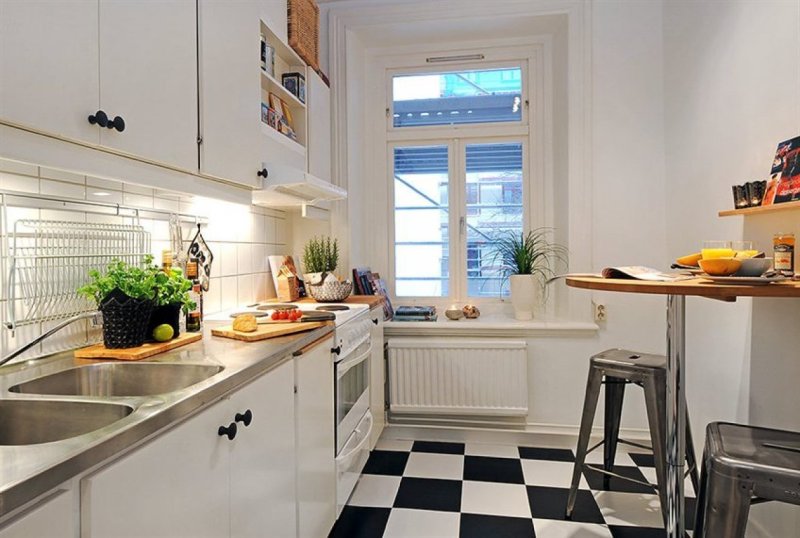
x=377 y=380
x=316 y=444
x=54 y=517
x=194 y=482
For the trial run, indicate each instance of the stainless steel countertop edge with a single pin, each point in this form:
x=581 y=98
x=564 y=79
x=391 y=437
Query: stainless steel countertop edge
x=70 y=458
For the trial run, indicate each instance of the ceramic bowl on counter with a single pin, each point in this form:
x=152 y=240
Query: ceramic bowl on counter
x=331 y=291
x=754 y=267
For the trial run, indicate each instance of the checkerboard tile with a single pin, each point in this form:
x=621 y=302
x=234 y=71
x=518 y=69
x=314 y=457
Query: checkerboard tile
x=425 y=489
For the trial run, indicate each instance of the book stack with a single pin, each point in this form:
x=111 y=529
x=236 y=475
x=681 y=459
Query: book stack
x=415 y=313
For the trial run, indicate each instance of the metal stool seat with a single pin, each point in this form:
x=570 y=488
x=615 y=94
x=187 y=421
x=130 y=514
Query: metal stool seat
x=616 y=368
x=744 y=465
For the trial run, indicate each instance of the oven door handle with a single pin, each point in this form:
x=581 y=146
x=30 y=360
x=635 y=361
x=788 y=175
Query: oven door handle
x=342 y=367
x=365 y=436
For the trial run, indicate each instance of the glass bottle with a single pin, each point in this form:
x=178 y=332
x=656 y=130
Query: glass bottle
x=194 y=317
x=783 y=246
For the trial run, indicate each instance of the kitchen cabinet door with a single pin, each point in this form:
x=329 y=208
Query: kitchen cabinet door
x=230 y=90
x=175 y=486
x=263 y=457
x=49 y=65
x=53 y=517
x=319 y=126
x=316 y=446
x=148 y=77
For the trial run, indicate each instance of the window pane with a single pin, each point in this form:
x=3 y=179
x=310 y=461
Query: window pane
x=492 y=95
x=421 y=226
x=494 y=175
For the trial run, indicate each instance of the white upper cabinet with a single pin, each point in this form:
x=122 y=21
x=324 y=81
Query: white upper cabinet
x=230 y=90
x=148 y=77
x=319 y=126
x=70 y=67
x=273 y=13
x=49 y=75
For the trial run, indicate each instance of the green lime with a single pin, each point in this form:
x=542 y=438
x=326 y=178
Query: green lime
x=163 y=332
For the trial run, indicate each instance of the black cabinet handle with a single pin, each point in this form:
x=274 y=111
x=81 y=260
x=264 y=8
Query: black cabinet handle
x=263 y=173
x=336 y=350
x=117 y=123
x=99 y=118
x=246 y=418
x=229 y=431
x=375 y=321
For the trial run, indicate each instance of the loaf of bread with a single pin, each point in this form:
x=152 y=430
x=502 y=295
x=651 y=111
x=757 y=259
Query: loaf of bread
x=245 y=323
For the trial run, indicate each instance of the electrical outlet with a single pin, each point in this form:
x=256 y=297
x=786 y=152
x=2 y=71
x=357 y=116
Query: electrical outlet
x=599 y=311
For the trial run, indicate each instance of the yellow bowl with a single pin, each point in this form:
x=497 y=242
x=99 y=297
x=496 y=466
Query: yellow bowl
x=720 y=266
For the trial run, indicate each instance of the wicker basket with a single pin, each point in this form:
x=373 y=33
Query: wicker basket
x=331 y=292
x=304 y=30
x=124 y=320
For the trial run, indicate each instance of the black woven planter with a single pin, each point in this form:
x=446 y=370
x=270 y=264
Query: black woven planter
x=125 y=320
x=169 y=314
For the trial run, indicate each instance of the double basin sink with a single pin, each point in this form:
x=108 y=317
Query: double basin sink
x=32 y=421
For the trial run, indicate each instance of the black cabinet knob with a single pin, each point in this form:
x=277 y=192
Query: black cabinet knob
x=375 y=321
x=245 y=418
x=117 y=123
x=229 y=431
x=336 y=350
x=263 y=173
x=99 y=118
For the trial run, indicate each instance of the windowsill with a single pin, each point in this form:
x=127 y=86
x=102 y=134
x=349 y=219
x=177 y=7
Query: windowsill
x=490 y=325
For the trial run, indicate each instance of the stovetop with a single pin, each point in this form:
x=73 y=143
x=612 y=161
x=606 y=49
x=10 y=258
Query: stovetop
x=342 y=312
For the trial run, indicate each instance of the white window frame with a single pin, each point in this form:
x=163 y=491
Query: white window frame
x=530 y=131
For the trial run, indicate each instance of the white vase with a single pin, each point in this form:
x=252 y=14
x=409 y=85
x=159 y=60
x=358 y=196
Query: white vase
x=524 y=296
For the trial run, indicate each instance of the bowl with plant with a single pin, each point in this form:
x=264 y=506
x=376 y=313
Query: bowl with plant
x=320 y=258
x=171 y=297
x=125 y=295
x=527 y=260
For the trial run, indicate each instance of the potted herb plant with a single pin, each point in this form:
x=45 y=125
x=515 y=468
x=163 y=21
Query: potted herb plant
x=125 y=296
x=171 y=296
x=527 y=260
x=320 y=258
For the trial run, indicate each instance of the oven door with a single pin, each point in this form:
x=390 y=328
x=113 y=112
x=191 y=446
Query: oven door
x=352 y=392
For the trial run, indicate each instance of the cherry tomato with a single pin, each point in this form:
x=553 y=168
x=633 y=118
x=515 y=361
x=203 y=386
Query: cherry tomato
x=274 y=315
x=297 y=315
x=283 y=314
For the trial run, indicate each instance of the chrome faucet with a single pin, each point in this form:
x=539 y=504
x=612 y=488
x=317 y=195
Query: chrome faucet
x=95 y=315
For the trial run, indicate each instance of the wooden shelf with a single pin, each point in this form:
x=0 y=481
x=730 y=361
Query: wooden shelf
x=271 y=84
x=282 y=139
x=786 y=206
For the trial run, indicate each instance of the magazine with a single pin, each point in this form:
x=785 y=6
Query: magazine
x=629 y=272
x=639 y=272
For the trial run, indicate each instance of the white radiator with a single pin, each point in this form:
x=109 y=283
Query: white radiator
x=458 y=376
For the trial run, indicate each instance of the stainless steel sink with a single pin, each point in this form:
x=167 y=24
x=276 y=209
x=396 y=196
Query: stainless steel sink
x=30 y=422
x=119 y=379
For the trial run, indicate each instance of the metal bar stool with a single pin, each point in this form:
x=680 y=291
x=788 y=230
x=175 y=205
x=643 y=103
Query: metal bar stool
x=744 y=465
x=616 y=368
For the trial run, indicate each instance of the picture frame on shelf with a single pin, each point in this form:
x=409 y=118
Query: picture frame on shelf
x=296 y=84
x=276 y=104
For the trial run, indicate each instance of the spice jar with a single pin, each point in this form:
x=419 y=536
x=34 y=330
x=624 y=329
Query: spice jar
x=783 y=245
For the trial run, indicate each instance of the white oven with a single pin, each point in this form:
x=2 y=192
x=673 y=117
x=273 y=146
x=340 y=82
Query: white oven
x=353 y=418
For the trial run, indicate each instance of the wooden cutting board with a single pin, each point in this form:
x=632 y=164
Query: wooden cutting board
x=267 y=330
x=99 y=351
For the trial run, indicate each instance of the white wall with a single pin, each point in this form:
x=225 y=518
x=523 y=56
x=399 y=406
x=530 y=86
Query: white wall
x=732 y=88
x=240 y=236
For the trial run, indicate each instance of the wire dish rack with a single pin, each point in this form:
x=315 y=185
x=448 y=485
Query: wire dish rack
x=49 y=260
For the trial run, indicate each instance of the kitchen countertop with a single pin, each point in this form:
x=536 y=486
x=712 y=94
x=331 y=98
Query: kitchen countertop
x=29 y=471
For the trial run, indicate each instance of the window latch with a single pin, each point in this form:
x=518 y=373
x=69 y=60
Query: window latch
x=462 y=225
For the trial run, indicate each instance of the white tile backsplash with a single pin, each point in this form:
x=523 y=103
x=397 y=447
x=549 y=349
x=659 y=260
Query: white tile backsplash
x=241 y=237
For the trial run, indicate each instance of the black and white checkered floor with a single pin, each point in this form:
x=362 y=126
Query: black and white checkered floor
x=421 y=489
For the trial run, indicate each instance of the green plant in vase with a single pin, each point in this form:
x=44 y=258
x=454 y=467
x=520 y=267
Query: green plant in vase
x=125 y=295
x=171 y=297
x=320 y=258
x=527 y=260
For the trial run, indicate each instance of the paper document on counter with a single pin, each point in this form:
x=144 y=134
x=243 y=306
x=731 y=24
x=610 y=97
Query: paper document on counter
x=635 y=272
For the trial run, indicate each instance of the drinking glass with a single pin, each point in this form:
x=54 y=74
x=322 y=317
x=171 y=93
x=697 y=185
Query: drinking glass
x=743 y=249
x=716 y=249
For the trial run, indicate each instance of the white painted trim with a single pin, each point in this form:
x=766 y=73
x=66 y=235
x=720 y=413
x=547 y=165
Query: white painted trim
x=552 y=435
x=498 y=327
